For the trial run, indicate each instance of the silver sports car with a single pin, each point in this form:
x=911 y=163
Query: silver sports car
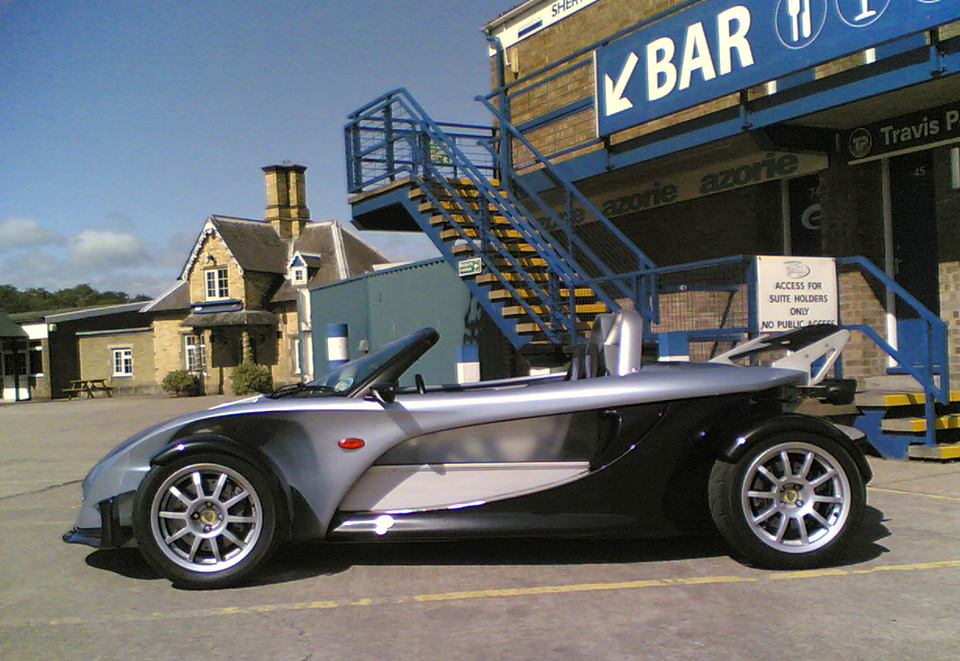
x=614 y=447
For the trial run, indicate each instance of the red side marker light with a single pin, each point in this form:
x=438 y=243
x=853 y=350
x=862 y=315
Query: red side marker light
x=351 y=443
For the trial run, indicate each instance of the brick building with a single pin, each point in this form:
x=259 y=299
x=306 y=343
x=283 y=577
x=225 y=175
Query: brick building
x=112 y=343
x=711 y=128
x=244 y=287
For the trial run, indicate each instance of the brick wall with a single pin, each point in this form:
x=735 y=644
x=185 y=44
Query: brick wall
x=948 y=229
x=214 y=247
x=742 y=222
x=96 y=360
x=283 y=368
x=586 y=27
x=862 y=302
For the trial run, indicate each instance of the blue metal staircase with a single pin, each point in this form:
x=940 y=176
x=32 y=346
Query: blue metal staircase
x=536 y=254
x=543 y=261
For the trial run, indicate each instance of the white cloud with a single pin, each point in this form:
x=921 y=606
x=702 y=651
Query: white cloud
x=23 y=232
x=107 y=250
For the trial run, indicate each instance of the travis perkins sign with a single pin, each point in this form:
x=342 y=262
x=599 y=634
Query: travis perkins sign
x=920 y=130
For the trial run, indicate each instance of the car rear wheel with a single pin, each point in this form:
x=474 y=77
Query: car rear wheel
x=205 y=521
x=792 y=501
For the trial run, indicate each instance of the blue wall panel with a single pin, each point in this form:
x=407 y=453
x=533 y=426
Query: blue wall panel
x=381 y=307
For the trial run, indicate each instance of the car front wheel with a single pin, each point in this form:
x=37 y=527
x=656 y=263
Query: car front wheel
x=205 y=521
x=792 y=501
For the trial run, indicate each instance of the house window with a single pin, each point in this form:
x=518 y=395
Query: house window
x=122 y=361
x=36 y=358
x=10 y=363
x=217 y=284
x=299 y=275
x=296 y=358
x=28 y=360
x=195 y=352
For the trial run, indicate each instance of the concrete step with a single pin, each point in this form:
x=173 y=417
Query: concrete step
x=892 y=398
x=939 y=452
x=490 y=278
x=531 y=328
x=515 y=249
x=464 y=220
x=504 y=234
x=897 y=418
x=582 y=310
x=890 y=383
x=915 y=425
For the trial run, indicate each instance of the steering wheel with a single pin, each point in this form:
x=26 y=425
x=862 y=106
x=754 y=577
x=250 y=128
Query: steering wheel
x=421 y=386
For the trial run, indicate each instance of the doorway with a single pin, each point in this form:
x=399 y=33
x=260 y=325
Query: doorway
x=913 y=214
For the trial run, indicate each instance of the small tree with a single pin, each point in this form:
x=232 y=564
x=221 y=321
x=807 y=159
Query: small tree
x=180 y=382
x=248 y=378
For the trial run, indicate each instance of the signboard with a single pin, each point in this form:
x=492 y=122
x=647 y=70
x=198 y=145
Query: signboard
x=469 y=267
x=531 y=22
x=793 y=292
x=658 y=191
x=904 y=134
x=719 y=47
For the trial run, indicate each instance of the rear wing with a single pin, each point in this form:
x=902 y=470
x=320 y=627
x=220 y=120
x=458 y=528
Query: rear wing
x=812 y=350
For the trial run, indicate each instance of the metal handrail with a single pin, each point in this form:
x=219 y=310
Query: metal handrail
x=422 y=166
x=934 y=337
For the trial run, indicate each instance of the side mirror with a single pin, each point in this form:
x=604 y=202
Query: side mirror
x=385 y=394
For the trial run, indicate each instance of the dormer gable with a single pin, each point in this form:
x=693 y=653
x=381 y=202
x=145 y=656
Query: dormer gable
x=212 y=271
x=302 y=267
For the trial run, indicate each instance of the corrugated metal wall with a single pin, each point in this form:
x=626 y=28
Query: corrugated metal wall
x=381 y=307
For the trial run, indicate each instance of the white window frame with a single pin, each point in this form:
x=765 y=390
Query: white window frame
x=22 y=364
x=122 y=360
x=296 y=356
x=216 y=283
x=299 y=275
x=195 y=353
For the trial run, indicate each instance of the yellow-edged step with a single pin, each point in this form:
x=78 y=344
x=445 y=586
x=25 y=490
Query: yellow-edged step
x=935 y=452
x=919 y=425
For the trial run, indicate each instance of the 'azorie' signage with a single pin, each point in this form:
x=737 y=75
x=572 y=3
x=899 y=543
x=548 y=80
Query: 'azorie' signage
x=719 y=47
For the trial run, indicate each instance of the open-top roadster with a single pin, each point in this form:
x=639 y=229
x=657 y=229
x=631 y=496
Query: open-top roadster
x=614 y=447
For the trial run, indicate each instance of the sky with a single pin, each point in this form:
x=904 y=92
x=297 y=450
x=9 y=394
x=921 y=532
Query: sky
x=125 y=124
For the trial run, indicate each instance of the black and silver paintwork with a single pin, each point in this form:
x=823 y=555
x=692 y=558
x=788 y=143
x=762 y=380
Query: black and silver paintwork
x=614 y=447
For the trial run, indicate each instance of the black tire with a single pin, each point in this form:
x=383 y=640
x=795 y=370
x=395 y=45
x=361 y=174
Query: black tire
x=206 y=520
x=793 y=517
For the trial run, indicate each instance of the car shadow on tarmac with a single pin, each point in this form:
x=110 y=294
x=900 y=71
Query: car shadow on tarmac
x=299 y=561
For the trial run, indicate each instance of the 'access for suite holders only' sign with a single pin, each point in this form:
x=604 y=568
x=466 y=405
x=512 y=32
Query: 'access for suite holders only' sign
x=793 y=292
x=718 y=47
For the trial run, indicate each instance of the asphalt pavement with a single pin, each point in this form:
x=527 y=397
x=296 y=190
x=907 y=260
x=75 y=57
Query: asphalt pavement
x=893 y=596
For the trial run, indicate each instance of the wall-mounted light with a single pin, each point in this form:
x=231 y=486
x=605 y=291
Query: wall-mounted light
x=211 y=259
x=955 y=167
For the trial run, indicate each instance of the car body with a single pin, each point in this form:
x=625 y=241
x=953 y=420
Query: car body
x=614 y=447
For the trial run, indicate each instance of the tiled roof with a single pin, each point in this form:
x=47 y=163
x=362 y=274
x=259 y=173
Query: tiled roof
x=8 y=328
x=338 y=254
x=254 y=244
x=175 y=298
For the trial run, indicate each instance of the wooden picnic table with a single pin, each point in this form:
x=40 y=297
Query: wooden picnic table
x=88 y=386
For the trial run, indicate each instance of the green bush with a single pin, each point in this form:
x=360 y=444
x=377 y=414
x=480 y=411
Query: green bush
x=182 y=382
x=248 y=379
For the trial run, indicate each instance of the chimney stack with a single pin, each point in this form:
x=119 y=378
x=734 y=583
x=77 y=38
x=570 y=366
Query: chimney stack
x=287 y=199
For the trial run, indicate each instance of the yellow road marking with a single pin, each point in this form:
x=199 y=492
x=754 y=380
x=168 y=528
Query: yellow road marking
x=914 y=493
x=478 y=594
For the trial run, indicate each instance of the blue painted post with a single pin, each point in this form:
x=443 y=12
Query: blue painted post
x=468 y=364
x=674 y=346
x=338 y=345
